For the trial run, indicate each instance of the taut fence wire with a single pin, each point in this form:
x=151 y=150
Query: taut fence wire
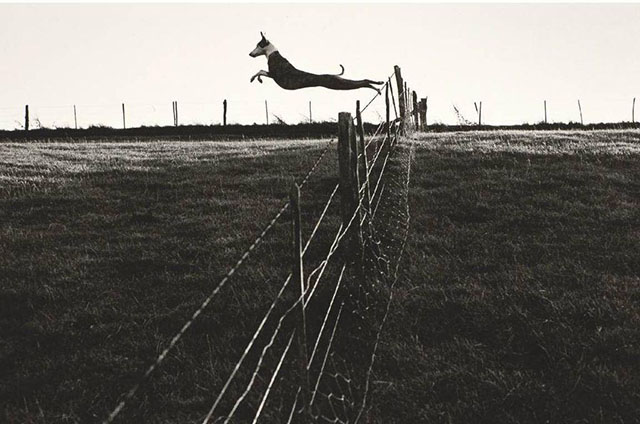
x=312 y=355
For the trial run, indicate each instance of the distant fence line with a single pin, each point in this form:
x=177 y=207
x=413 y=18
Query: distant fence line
x=317 y=383
x=419 y=106
x=30 y=119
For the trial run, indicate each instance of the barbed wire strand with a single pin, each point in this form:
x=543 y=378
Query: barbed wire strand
x=249 y=346
x=326 y=317
x=295 y=403
x=273 y=377
x=322 y=215
x=263 y=354
x=324 y=361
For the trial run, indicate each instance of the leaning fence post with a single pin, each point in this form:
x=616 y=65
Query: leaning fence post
x=26 y=118
x=580 y=109
x=75 y=116
x=299 y=282
x=401 y=98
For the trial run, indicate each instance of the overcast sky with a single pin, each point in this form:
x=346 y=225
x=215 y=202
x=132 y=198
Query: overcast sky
x=511 y=57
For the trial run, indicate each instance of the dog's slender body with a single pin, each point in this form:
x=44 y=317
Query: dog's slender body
x=289 y=77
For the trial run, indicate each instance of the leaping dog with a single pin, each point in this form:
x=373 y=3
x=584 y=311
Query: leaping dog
x=289 y=77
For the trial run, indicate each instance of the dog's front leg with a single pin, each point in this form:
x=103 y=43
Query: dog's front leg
x=260 y=74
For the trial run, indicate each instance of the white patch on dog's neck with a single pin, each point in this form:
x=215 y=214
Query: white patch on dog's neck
x=270 y=48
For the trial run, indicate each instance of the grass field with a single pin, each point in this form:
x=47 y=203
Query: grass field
x=520 y=297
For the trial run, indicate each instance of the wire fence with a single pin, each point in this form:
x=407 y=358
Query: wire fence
x=312 y=354
x=461 y=112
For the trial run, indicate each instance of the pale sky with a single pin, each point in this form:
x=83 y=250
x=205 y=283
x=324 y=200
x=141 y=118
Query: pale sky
x=511 y=57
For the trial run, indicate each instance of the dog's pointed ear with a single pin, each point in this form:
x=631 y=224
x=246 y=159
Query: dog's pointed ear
x=262 y=35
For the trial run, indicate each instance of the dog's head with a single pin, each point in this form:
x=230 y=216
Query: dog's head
x=264 y=47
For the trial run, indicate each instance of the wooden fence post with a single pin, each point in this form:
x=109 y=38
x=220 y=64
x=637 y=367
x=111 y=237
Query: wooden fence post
x=580 y=109
x=401 y=98
x=310 y=115
x=633 y=111
x=364 y=163
x=26 y=118
x=75 y=116
x=266 y=111
x=175 y=106
x=124 y=120
x=388 y=110
x=357 y=245
x=224 y=112
x=299 y=283
x=348 y=201
x=407 y=103
x=545 y=111
x=423 y=113
x=416 y=115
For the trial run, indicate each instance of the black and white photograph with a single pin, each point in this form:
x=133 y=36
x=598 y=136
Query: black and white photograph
x=296 y=212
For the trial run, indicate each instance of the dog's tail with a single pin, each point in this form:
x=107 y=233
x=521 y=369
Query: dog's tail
x=341 y=72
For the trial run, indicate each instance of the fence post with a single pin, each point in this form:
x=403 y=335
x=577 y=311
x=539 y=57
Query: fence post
x=364 y=163
x=401 y=98
x=26 y=118
x=299 y=282
x=266 y=111
x=124 y=120
x=545 y=111
x=310 y=115
x=388 y=111
x=407 y=103
x=423 y=113
x=224 y=112
x=348 y=202
x=580 y=109
x=176 y=107
x=356 y=227
x=416 y=115
x=75 y=116
x=633 y=111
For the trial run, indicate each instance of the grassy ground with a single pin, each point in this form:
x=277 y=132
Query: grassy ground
x=520 y=300
x=523 y=294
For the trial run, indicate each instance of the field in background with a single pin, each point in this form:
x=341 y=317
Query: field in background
x=520 y=300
